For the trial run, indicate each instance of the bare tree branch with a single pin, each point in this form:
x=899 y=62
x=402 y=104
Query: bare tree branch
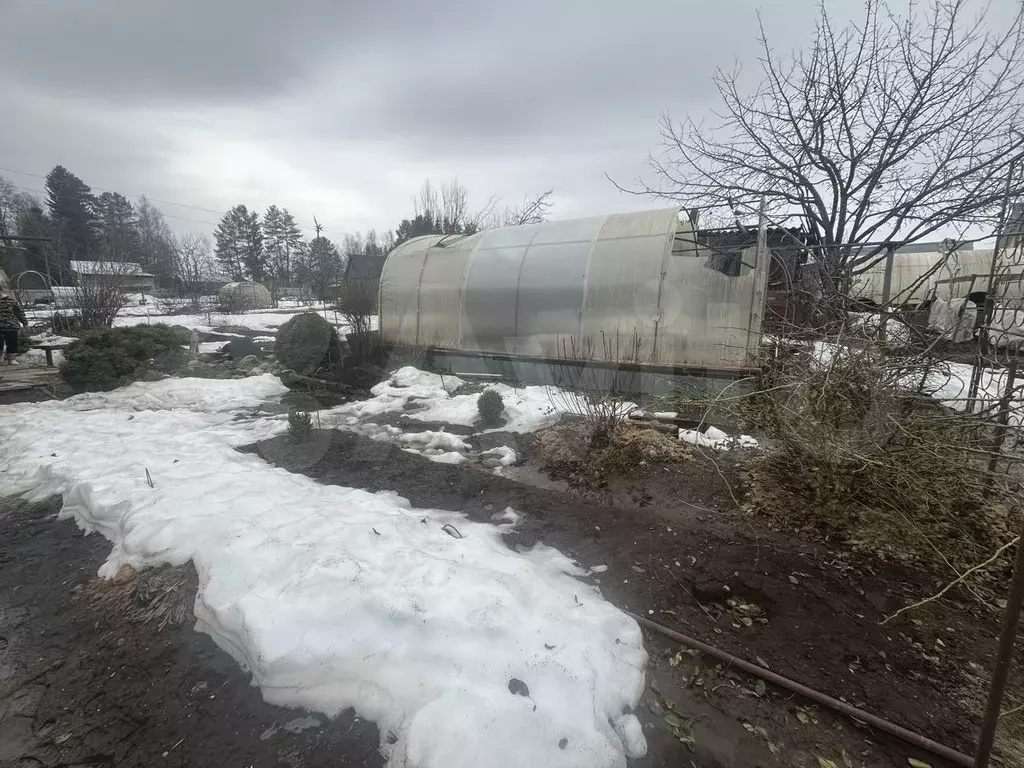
x=890 y=129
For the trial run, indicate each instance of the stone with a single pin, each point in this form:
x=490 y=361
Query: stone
x=248 y=363
x=307 y=344
x=236 y=349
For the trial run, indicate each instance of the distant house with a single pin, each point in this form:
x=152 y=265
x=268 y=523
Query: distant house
x=364 y=266
x=126 y=274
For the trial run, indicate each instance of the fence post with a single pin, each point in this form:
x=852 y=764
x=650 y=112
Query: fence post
x=1001 y=421
x=890 y=252
x=1011 y=617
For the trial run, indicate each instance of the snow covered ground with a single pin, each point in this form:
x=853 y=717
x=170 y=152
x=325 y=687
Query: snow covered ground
x=470 y=654
x=153 y=311
x=427 y=397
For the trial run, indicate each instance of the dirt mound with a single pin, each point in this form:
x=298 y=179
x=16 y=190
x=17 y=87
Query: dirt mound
x=569 y=453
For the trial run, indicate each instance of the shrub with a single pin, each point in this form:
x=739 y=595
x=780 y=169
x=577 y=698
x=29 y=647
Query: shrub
x=112 y=357
x=858 y=453
x=491 y=406
x=63 y=324
x=300 y=425
x=308 y=344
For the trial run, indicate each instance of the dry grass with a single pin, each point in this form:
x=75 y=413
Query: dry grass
x=859 y=454
x=163 y=596
x=571 y=453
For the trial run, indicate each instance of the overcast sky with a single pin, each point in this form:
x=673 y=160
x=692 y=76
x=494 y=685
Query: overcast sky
x=340 y=109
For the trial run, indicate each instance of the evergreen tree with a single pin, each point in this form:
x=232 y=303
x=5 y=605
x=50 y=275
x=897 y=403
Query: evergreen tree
x=239 y=247
x=156 y=243
x=117 y=228
x=323 y=265
x=419 y=225
x=71 y=205
x=227 y=237
x=282 y=243
x=254 y=259
x=32 y=222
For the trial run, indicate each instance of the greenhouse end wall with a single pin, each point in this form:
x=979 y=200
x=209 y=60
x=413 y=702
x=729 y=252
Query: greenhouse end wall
x=624 y=288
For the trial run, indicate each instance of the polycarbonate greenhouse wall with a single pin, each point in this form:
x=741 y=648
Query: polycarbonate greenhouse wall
x=628 y=287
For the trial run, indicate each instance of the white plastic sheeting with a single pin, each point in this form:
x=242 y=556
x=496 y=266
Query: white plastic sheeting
x=621 y=288
x=240 y=296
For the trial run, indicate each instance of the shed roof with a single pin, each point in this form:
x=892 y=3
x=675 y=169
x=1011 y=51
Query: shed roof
x=119 y=268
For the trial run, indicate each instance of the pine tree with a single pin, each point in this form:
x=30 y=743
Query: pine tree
x=71 y=207
x=117 y=228
x=32 y=222
x=323 y=264
x=227 y=237
x=254 y=259
x=240 y=244
x=282 y=243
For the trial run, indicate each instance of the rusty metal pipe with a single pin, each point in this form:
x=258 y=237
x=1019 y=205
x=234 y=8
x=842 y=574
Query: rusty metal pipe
x=892 y=729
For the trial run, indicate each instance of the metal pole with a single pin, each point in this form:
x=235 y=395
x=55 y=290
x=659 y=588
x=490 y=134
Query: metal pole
x=1002 y=420
x=982 y=350
x=1002 y=667
x=886 y=290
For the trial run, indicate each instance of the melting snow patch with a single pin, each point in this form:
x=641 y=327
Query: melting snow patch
x=333 y=597
x=716 y=439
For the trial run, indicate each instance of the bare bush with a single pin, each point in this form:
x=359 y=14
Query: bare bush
x=858 y=449
x=357 y=304
x=99 y=301
x=594 y=379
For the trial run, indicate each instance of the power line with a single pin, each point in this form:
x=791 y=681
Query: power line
x=153 y=200
x=165 y=215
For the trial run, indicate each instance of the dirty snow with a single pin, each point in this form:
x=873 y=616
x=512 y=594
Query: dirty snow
x=334 y=597
x=36 y=358
x=428 y=397
x=48 y=337
x=266 y=320
x=716 y=439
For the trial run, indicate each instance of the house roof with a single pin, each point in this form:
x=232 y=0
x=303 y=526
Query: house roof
x=119 y=268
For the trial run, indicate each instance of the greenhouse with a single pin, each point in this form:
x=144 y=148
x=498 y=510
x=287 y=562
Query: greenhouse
x=624 y=288
x=244 y=295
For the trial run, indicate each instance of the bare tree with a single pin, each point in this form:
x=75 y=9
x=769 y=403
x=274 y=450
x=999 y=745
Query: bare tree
x=447 y=206
x=533 y=210
x=194 y=265
x=97 y=298
x=887 y=130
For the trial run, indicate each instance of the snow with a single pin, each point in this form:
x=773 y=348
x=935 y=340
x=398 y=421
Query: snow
x=37 y=358
x=335 y=597
x=265 y=320
x=716 y=439
x=49 y=337
x=428 y=397
x=951 y=383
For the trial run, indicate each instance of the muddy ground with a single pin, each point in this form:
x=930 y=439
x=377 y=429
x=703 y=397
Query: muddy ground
x=84 y=681
x=687 y=559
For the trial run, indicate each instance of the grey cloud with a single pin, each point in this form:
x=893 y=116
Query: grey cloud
x=343 y=108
